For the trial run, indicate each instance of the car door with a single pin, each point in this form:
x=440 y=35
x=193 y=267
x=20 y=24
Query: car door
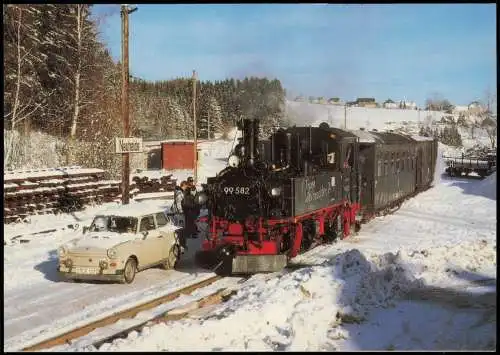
x=167 y=235
x=152 y=244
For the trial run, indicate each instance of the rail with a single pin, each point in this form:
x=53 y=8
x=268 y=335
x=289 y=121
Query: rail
x=68 y=336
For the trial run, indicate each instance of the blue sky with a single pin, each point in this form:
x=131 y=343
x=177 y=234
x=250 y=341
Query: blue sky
x=393 y=51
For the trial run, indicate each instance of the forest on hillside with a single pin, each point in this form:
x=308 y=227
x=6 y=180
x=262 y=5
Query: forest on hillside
x=163 y=109
x=59 y=79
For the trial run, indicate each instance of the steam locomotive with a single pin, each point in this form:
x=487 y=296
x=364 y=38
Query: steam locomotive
x=302 y=187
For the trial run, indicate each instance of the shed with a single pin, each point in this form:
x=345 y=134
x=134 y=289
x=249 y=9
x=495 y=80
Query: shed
x=177 y=154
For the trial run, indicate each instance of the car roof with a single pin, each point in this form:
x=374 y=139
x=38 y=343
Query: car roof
x=136 y=209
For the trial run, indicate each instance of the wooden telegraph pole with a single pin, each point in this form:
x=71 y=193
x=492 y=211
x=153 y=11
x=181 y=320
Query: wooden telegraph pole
x=195 y=143
x=345 y=115
x=125 y=11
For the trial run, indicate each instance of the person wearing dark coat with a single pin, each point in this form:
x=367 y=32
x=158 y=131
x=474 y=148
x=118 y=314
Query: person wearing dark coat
x=190 y=209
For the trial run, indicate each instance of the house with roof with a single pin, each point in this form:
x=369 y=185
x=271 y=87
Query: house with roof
x=460 y=109
x=335 y=101
x=475 y=107
x=389 y=104
x=366 y=102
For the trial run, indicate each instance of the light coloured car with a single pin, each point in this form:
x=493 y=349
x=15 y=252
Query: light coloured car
x=120 y=243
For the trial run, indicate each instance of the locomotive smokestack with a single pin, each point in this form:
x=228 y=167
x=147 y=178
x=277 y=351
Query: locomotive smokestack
x=250 y=139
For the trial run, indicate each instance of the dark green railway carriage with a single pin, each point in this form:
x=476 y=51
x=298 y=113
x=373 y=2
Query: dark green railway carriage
x=426 y=161
x=393 y=166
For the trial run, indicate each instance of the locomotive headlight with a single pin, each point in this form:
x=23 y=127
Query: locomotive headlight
x=275 y=191
x=201 y=198
x=233 y=161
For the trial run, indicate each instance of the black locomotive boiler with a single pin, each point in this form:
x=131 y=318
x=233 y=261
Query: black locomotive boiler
x=304 y=186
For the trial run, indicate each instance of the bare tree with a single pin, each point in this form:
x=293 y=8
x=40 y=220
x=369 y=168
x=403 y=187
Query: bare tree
x=20 y=104
x=489 y=124
x=438 y=103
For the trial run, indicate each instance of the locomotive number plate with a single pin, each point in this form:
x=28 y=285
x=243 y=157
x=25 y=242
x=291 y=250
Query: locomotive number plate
x=237 y=190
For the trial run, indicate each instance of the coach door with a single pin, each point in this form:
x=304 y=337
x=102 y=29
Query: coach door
x=350 y=171
x=419 y=166
x=367 y=166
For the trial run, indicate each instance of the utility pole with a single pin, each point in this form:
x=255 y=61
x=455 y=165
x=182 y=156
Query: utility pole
x=125 y=11
x=345 y=116
x=195 y=143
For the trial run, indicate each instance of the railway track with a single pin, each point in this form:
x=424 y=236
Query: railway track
x=69 y=336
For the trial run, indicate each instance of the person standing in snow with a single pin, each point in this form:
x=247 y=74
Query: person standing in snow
x=197 y=207
x=177 y=210
x=190 y=209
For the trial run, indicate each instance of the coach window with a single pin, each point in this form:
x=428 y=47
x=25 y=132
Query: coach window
x=379 y=167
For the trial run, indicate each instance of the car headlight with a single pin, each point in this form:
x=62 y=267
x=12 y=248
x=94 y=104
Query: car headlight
x=233 y=161
x=112 y=253
x=276 y=191
x=62 y=251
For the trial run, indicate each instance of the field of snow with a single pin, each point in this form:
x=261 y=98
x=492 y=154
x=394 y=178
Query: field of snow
x=421 y=279
x=303 y=113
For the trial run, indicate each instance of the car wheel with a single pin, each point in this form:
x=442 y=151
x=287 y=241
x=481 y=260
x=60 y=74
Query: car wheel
x=172 y=258
x=129 y=271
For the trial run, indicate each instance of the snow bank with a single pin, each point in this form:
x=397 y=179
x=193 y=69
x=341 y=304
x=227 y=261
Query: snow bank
x=309 y=309
x=488 y=187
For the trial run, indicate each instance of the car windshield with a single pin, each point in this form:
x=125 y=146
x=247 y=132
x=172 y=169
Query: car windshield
x=114 y=224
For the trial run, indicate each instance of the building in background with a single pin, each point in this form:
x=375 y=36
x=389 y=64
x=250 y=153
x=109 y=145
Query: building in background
x=366 y=102
x=389 y=104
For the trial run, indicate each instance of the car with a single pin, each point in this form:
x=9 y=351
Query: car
x=121 y=242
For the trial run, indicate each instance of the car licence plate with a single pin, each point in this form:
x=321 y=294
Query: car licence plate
x=85 y=270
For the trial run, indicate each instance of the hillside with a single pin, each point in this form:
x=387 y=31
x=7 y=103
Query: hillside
x=356 y=117
x=410 y=121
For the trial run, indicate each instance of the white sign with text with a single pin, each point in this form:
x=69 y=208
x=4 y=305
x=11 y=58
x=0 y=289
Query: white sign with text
x=128 y=145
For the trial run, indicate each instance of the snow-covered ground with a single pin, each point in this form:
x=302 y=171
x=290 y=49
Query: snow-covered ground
x=303 y=113
x=421 y=279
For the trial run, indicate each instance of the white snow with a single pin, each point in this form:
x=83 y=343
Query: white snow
x=303 y=113
x=63 y=171
x=421 y=279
